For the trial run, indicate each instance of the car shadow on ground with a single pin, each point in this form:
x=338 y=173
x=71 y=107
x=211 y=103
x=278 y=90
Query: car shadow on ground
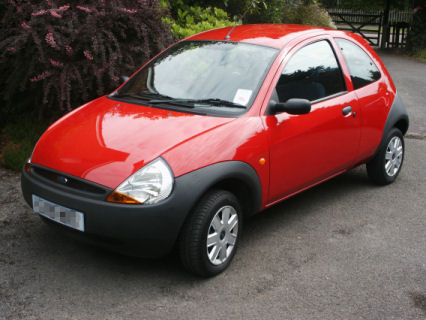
x=307 y=202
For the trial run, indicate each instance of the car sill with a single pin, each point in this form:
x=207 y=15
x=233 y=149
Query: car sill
x=305 y=188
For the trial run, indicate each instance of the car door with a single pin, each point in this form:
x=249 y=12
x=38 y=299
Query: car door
x=371 y=91
x=305 y=149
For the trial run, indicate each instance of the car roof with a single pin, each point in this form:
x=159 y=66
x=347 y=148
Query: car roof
x=271 y=35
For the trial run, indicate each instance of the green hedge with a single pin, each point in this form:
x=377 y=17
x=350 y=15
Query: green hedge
x=309 y=12
x=191 y=20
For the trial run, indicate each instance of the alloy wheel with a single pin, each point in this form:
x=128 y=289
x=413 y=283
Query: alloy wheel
x=222 y=235
x=393 y=156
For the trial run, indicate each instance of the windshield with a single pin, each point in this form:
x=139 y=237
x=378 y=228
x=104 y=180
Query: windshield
x=203 y=74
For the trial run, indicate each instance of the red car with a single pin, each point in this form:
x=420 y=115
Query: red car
x=216 y=128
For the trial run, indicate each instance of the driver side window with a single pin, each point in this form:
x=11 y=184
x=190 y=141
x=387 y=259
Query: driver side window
x=312 y=73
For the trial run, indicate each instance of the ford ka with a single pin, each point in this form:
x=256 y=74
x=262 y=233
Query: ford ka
x=214 y=129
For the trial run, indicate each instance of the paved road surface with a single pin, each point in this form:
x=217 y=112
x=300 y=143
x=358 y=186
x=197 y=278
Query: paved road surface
x=410 y=79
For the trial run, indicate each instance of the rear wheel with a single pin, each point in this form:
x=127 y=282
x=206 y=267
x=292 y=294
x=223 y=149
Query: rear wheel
x=386 y=165
x=210 y=236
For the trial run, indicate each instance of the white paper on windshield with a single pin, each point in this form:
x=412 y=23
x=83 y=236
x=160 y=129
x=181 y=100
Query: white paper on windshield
x=242 y=96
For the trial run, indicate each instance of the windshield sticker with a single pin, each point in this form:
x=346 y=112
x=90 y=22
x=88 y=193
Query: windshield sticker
x=242 y=96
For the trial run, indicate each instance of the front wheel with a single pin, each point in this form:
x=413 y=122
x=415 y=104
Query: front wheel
x=387 y=163
x=209 y=238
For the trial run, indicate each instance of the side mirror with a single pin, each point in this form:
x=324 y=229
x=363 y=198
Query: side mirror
x=291 y=106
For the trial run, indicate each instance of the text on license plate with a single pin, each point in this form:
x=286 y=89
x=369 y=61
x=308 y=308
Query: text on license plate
x=63 y=215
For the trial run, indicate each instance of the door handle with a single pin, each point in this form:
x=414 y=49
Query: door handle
x=346 y=110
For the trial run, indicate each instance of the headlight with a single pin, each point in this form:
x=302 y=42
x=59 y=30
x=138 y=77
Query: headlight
x=28 y=165
x=151 y=184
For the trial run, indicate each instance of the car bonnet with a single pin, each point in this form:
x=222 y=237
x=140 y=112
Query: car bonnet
x=106 y=141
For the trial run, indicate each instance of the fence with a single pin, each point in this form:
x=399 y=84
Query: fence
x=394 y=15
x=369 y=24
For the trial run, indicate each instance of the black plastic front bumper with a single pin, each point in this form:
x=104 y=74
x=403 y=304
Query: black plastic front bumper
x=140 y=230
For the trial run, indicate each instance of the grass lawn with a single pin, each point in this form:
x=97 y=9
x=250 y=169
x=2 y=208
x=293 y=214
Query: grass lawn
x=421 y=55
x=17 y=141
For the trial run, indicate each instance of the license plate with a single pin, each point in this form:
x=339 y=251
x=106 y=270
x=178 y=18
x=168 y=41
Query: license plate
x=63 y=215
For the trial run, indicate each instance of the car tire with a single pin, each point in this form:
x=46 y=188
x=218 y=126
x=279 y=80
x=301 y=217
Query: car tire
x=384 y=168
x=217 y=217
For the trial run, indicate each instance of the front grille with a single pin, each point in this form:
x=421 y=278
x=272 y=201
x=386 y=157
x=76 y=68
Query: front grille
x=65 y=180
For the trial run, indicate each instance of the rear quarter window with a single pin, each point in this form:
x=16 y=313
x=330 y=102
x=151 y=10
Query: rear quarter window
x=362 y=69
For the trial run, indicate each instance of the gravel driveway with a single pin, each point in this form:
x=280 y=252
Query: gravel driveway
x=343 y=250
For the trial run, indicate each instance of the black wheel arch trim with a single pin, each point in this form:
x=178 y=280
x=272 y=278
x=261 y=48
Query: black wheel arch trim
x=397 y=115
x=208 y=177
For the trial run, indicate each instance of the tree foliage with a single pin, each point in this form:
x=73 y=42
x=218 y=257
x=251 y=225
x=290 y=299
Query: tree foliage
x=308 y=14
x=188 y=20
x=267 y=11
x=416 y=40
x=57 y=54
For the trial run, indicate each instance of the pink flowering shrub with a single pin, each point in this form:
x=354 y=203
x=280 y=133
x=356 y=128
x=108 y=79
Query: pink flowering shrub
x=57 y=54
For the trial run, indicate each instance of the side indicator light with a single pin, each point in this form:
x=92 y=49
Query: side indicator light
x=121 y=198
x=262 y=161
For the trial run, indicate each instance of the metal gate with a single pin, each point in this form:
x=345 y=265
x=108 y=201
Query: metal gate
x=368 y=25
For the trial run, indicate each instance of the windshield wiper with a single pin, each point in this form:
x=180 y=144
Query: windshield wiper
x=144 y=95
x=212 y=101
x=220 y=102
x=147 y=96
x=176 y=102
x=129 y=95
x=188 y=103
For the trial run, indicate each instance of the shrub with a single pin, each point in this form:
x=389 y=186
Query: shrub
x=309 y=14
x=57 y=54
x=189 y=20
x=269 y=12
